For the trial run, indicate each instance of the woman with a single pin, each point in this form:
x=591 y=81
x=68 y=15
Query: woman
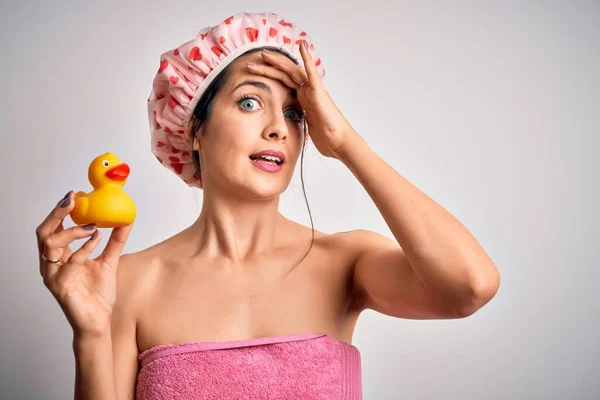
x=245 y=303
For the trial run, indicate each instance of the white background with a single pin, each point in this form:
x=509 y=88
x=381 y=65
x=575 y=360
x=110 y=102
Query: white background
x=491 y=108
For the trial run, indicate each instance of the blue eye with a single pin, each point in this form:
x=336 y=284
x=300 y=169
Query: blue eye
x=300 y=115
x=246 y=100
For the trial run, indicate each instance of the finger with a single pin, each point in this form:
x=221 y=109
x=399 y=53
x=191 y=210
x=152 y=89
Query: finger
x=42 y=229
x=274 y=73
x=61 y=239
x=116 y=242
x=56 y=246
x=76 y=261
x=66 y=249
x=51 y=254
x=295 y=71
x=49 y=269
x=56 y=217
x=62 y=255
x=83 y=253
x=309 y=64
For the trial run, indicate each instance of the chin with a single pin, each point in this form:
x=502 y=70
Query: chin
x=265 y=191
x=265 y=188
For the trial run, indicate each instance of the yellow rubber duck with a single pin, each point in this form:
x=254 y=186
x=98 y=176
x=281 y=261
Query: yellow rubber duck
x=108 y=206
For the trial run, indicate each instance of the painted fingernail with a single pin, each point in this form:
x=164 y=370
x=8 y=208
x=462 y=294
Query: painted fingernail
x=67 y=195
x=65 y=202
x=95 y=235
x=89 y=227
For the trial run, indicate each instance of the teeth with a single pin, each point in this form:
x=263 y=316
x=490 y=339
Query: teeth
x=271 y=158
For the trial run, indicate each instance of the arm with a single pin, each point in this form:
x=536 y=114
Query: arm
x=435 y=269
x=94 y=367
x=106 y=364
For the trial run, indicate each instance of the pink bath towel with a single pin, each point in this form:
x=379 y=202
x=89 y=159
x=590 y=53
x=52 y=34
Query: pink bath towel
x=306 y=366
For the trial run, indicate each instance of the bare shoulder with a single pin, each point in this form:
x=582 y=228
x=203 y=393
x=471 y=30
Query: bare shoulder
x=364 y=236
x=348 y=246
x=357 y=241
x=135 y=269
x=332 y=244
x=135 y=275
x=124 y=332
x=129 y=273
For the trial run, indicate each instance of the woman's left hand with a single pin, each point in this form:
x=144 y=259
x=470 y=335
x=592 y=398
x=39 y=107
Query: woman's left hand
x=328 y=128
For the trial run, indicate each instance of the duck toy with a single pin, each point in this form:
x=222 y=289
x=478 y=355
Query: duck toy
x=107 y=206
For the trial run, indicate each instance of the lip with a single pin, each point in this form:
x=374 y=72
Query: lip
x=270 y=152
x=267 y=167
x=118 y=173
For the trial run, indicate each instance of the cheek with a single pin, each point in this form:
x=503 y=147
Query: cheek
x=293 y=160
x=228 y=151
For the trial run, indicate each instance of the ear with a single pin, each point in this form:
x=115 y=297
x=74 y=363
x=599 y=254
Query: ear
x=196 y=142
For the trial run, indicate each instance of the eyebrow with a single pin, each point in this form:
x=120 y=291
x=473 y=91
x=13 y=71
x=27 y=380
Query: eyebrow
x=263 y=86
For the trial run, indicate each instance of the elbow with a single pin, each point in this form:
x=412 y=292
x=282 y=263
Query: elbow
x=481 y=292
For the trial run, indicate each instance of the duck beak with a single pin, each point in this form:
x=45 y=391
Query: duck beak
x=118 y=173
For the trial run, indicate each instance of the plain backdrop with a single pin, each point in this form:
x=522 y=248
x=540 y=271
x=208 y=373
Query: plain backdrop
x=491 y=108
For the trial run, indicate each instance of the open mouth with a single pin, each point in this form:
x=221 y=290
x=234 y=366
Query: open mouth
x=267 y=159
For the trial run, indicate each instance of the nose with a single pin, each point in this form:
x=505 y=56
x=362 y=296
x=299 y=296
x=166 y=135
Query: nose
x=277 y=128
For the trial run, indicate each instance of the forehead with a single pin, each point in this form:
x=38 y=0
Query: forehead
x=239 y=74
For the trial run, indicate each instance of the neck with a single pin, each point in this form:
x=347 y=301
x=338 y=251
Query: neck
x=236 y=228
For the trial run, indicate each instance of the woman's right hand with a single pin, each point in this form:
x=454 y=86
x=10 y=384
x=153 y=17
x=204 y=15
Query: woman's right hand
x=84 y=288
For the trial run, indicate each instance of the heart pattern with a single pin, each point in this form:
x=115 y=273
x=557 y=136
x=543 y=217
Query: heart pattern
x=195 y=54
x=252 y=34
x=183 y=69
x=163 y=65
x=172 y=102
x=217 y=50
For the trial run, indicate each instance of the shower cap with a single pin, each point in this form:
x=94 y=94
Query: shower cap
x=186 y=71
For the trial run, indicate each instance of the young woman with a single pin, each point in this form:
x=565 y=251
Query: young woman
x=245 y=303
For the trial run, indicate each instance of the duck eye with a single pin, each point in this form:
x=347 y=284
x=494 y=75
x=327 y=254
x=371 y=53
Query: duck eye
x=105 y=163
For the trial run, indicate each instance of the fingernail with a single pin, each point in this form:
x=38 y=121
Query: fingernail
x=65 y=202
x=267 y=51
x=305 y=44
x=250 y=63
x=67 y=195
x=89 y=227
x=95 y=235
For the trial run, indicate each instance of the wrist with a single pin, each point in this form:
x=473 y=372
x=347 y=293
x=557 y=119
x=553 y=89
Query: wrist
x=353 y=144
x=88 y=338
